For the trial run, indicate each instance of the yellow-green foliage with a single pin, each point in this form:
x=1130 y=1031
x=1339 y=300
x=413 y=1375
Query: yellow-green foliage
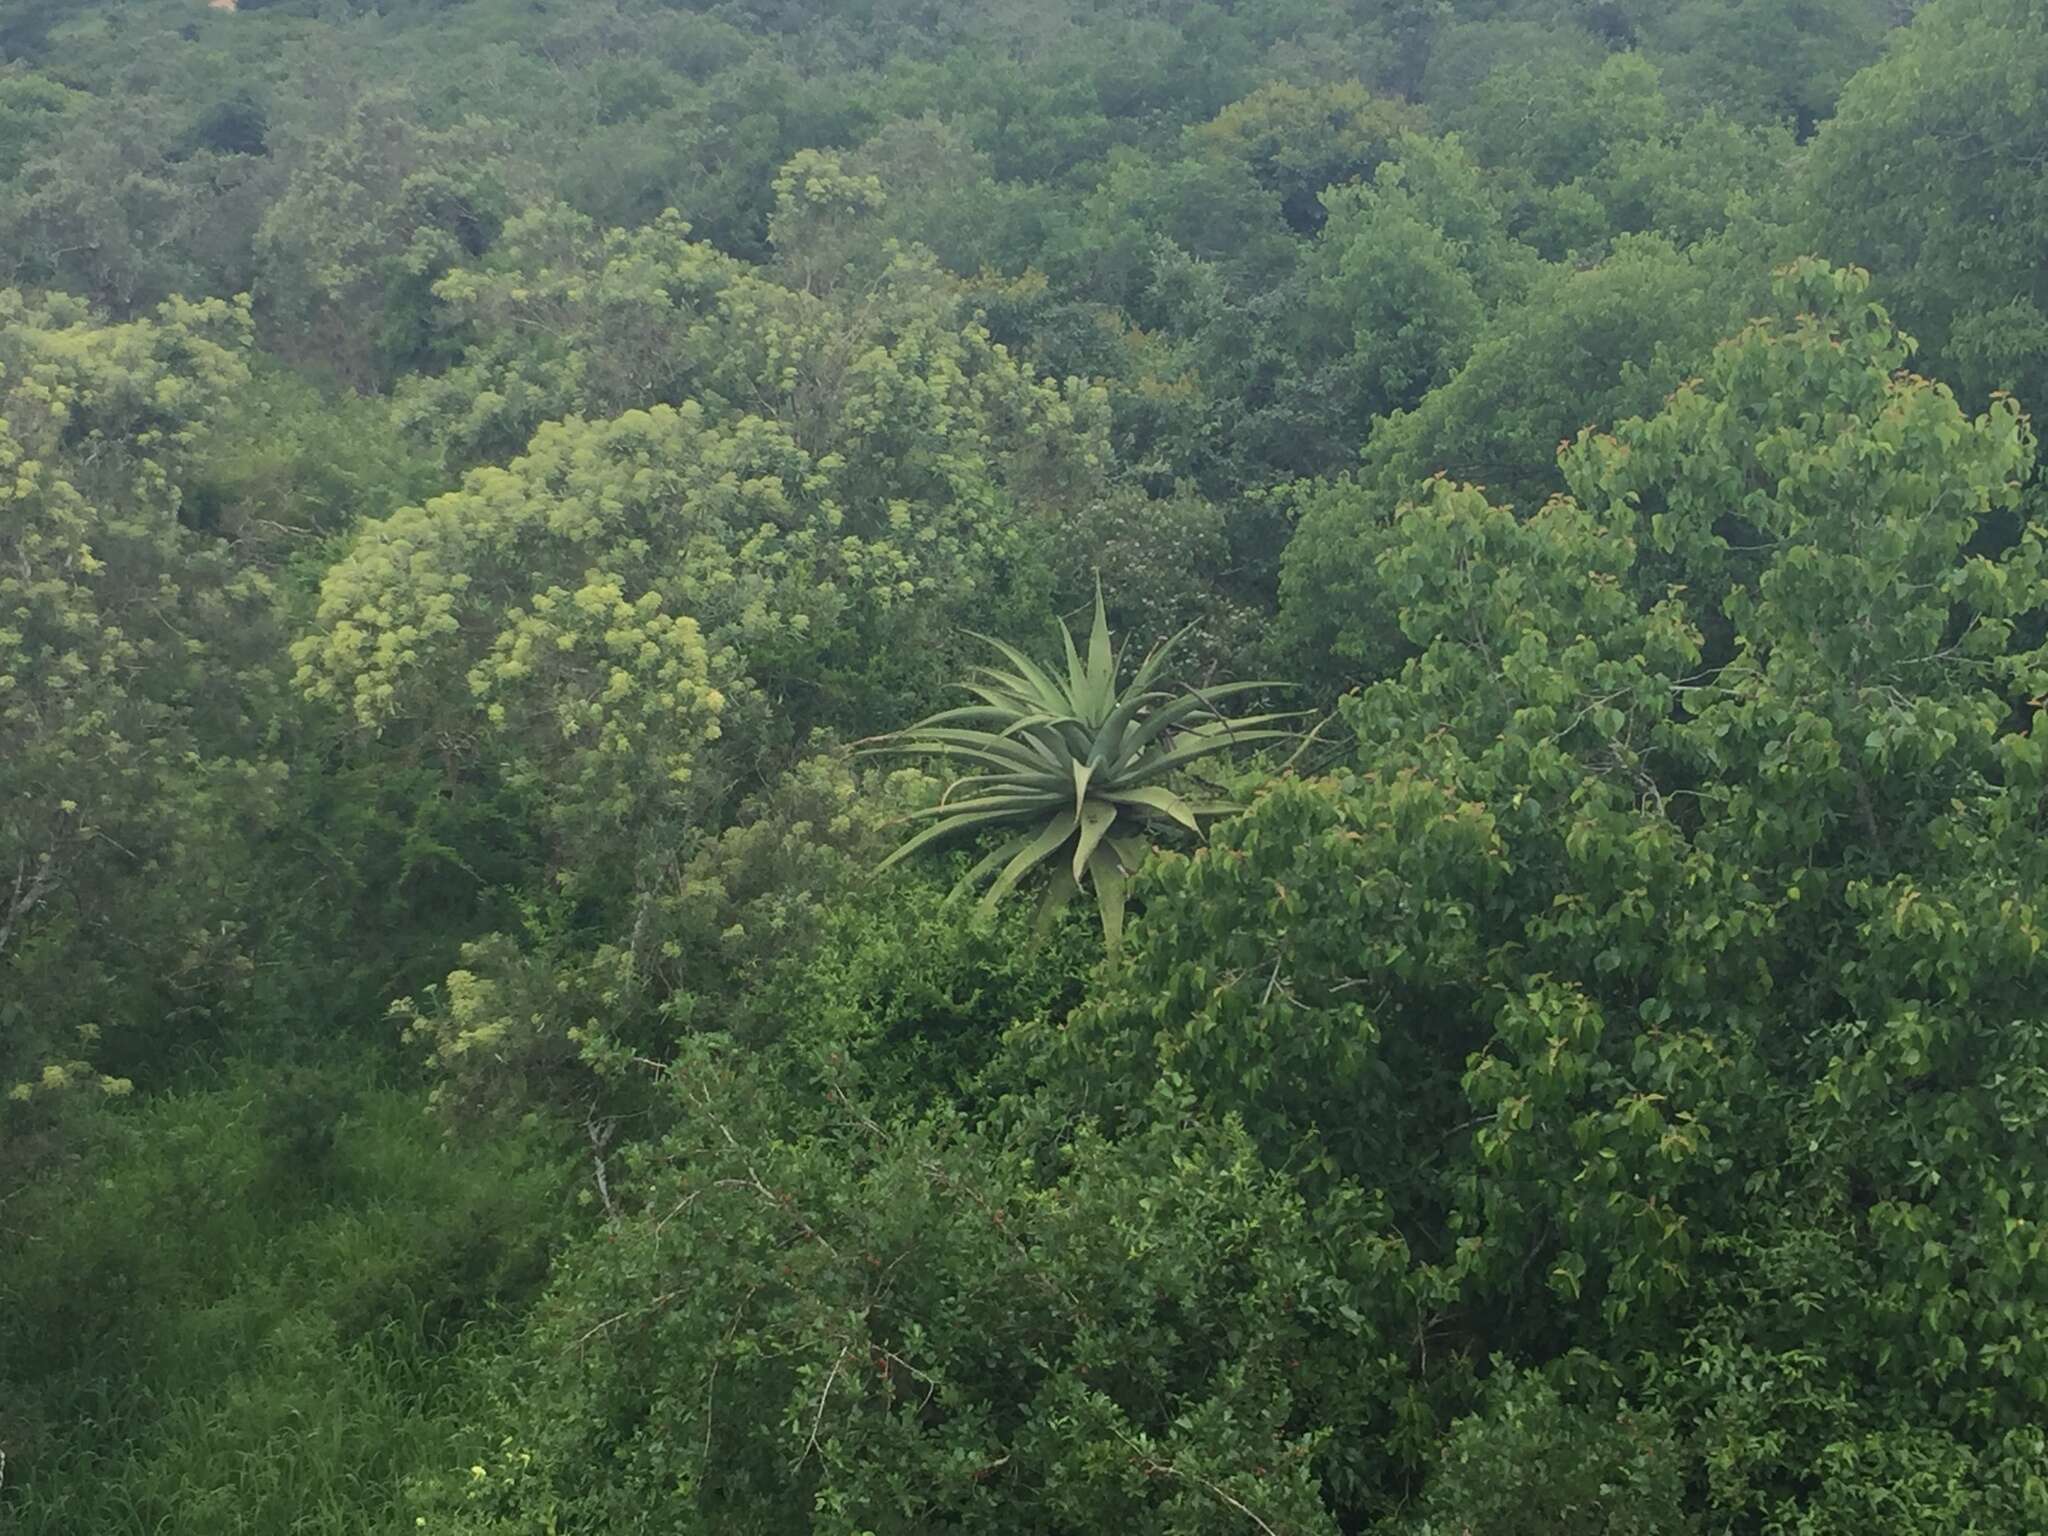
x=620 y=683
x=123 y=679
x=849 y=481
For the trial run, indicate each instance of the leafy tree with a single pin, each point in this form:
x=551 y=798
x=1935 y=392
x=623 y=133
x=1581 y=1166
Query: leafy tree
x=1532 y=1463
x=32 y=112
x=640 y=617
x=1300 y=140
x=563 y=318
x=1600 y=1088
x=376 y=207
x=131 y=689
x=1930 y=174
x=1586 y=151
x=815 y=1318
x=800 y=542
x=1762 y=59
x=1584 y=347
x=1410 y=266
x=1543 y=968
x=107 y=211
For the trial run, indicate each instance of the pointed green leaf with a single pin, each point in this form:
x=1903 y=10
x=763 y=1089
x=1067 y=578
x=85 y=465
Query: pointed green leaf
x=1051 y=695
x=1154 y=797
x=1101 y=662
x=1097 y=817
x=1110 y=887
x=1059 y=890
x=1109 y=739
x=1077 y=675
x=1033 y=851
x=1131 y=852
x=1008 y=804
x=1158 y=657
x=1170 y=716
x=1189 y=752
x=946 y=828
x=982 y=866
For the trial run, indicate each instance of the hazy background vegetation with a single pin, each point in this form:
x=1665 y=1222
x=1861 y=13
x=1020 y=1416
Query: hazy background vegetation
x=474 y=474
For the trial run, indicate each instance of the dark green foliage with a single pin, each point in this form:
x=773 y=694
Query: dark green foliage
x=1532 y=1465
x=1931 y=175
x=812 y=1315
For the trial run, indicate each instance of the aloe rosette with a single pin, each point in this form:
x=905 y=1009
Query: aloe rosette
x=1075 y=765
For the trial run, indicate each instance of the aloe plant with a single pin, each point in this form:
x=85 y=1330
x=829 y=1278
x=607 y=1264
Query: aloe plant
x=1074 y=766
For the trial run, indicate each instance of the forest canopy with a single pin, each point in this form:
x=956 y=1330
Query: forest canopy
x=584 y=584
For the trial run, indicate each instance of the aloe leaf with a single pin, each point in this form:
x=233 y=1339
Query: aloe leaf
x=1015 y=802
x=946 y=828
x=1169 y=717
x=980 y=870
x=1101 y=662
x=1131 y=852
x=1156 y=798
x=1165 y=718
x=985 y=782
x=1059 y=890
x=1028 y=853
x=1181 y=755
x=1051 y=695
x=1077 y=676
x=1157 y=657
x=1003 y=750
x=1110 y=886
x=1109 y=739
x=1097 y=817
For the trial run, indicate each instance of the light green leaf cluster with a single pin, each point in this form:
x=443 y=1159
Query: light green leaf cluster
x=613 y=696
x=125 y=648
x=563 y=318
x=816 y=485
x=372 y=201
x=1929 y=173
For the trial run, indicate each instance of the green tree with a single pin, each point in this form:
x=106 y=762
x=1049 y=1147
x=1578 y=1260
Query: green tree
x=1930 y=173
x=814 y=1318
x=1585 y=347
x=377 y=205
x=641 y=618
x=32 y=112
x=132 y=697
x=1410 y=266
x=1762 y=59
x=1299 y=140
x=110 y=211
x=1667 y=958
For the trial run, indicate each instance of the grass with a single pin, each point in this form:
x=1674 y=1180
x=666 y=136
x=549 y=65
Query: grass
x=246 y=1306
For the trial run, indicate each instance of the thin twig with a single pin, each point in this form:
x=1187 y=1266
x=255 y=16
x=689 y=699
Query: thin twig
x=818 y=1418
x=1168 y=1469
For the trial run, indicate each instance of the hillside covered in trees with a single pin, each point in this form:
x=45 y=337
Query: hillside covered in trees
x=1023 y=768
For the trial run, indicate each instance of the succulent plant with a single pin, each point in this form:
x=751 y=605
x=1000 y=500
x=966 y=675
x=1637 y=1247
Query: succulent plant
x=1075 y=767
